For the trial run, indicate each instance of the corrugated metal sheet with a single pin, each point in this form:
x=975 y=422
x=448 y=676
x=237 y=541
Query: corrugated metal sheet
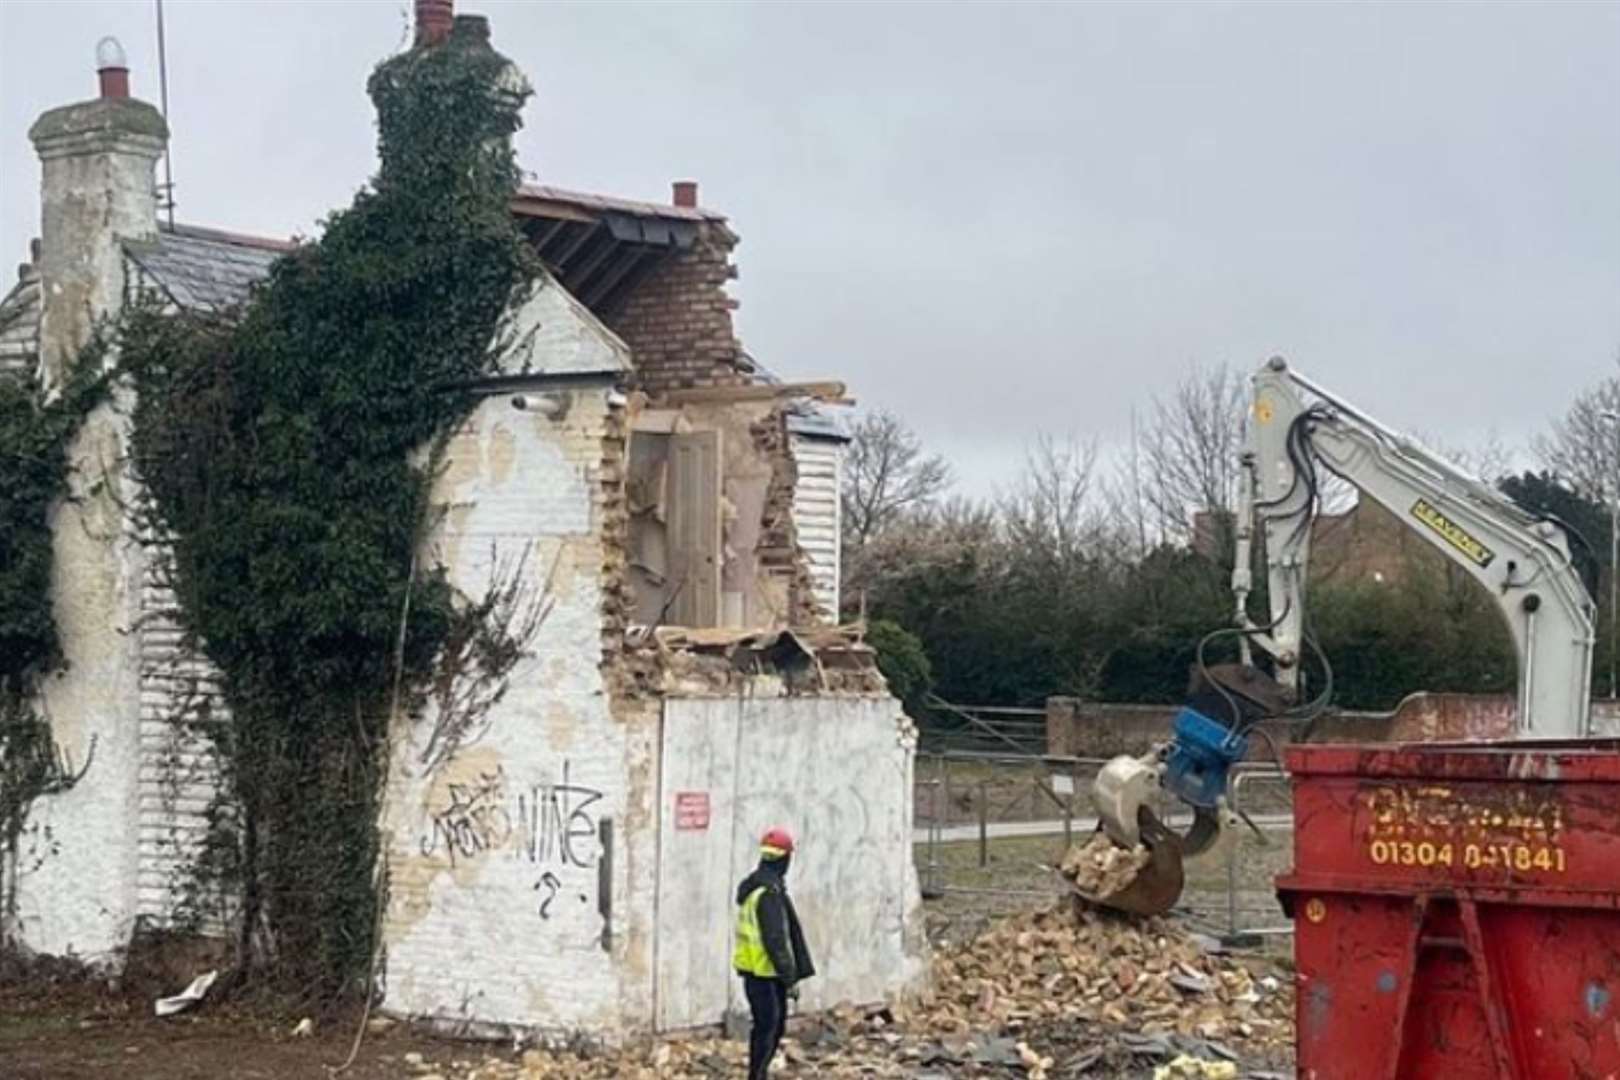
x=817 y=515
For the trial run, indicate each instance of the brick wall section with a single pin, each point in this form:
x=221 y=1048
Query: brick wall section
x=677 y=321
x=1102 y=730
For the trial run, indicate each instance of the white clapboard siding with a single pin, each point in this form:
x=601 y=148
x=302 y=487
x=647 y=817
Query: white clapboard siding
x=19 y=327
x=179 y=775
x=816 y=514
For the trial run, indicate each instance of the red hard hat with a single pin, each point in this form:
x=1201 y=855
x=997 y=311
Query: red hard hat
x=777 y=841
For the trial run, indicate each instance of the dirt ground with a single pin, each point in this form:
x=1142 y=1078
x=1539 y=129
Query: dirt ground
x=56 y=1026
x=79 y=1032
x=59 y=1028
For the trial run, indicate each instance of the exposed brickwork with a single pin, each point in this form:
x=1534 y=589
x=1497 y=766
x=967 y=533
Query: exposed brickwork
x=677 y=321
x=618 y=601
x=778 y=550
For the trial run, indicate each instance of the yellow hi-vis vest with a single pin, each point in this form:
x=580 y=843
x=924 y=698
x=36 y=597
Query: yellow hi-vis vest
x=749 y=955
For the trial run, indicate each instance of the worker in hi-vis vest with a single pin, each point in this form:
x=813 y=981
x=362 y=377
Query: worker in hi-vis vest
x=770 y=953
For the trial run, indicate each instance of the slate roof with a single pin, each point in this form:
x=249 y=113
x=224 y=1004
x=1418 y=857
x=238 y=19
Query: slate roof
x=806 y=416
x=204 y=268
x=19 y=324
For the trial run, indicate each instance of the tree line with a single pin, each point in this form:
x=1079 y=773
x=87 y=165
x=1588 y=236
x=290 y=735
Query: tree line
x=1099 y=581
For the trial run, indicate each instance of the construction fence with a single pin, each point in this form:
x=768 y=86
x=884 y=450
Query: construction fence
x=994 y=814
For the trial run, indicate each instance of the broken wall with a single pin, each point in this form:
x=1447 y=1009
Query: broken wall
x=713 y=492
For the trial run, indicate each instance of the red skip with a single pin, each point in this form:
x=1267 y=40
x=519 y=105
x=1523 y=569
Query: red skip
x=1457 y=911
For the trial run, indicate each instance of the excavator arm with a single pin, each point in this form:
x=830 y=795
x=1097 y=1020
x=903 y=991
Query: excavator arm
x=1297 y=435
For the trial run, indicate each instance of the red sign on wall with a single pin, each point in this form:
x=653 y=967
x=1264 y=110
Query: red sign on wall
x=691 y=810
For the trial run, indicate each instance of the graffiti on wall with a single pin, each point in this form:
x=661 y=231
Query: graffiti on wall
x=551 y=826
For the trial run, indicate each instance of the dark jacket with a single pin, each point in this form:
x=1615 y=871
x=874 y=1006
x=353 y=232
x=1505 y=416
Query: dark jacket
x=779 y=928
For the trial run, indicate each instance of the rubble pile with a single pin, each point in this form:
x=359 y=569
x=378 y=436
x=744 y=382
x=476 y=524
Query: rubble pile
x=1148 y=975
x=1069 y=992
x=1099 y=867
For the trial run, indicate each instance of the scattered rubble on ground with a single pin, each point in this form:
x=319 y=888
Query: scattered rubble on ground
x=1191 y=1068
x=1099 y=867
x=1068 y=992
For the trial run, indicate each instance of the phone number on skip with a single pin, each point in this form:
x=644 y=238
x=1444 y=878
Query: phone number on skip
x=1545 y=857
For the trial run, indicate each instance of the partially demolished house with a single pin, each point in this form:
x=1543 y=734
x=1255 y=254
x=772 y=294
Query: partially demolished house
x=569 y=864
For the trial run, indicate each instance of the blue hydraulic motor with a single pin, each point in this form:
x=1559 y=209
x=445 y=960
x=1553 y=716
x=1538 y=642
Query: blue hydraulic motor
x=1200 y=755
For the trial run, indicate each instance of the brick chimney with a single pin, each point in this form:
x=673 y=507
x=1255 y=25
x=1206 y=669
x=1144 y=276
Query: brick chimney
x=685 y=193
x=433 y=21
x=98 y=191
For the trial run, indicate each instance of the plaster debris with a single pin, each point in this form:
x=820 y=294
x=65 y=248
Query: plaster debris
x=1191 y=1068
x=186 y=998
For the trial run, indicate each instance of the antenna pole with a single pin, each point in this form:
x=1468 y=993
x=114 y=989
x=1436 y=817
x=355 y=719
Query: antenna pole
x=163 y=89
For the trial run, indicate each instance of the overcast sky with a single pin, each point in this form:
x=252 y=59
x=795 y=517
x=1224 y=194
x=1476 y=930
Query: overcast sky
x=994 y=219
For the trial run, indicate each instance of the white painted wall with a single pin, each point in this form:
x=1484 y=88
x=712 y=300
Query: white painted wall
x=77 y=886
x=837 y=772
x=495 y=911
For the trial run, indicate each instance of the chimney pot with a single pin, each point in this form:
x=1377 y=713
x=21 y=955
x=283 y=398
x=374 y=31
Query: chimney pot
x=686 y=193
x=433 y=20
x=112 y=68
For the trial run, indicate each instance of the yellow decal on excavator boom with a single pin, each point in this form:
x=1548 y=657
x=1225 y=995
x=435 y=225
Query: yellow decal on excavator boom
x=1453 y=534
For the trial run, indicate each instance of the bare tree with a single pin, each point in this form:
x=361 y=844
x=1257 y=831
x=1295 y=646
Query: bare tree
x=1189 y=452
x=1581 y=448
x=1051 y=510
x=886 y=476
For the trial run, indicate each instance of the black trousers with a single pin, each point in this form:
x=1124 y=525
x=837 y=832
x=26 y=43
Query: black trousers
x=767 y=1000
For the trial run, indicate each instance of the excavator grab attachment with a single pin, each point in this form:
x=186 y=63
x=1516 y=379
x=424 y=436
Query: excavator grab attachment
x=1156 y=885
x=1193 y=768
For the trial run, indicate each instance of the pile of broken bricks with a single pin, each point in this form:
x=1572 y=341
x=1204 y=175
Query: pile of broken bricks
x=1045 y=996
x=1100 y=868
